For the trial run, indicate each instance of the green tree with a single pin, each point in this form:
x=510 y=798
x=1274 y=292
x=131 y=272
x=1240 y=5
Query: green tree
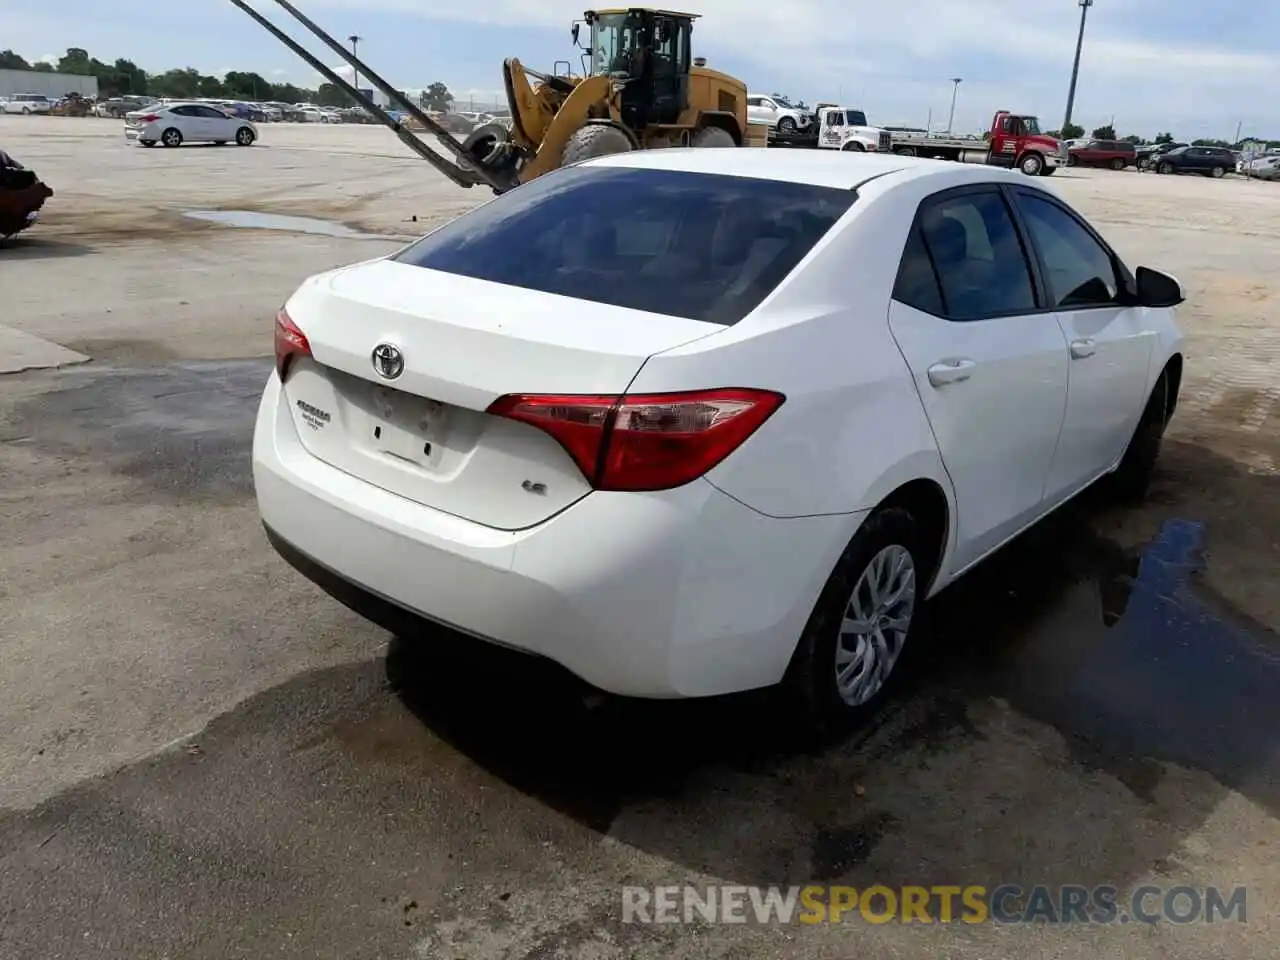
x=1071 y=131
x=1107 y=132
x=436 y=97
x=1133 y=138
x=43 y=67
x=76 y=60
x=332 y=95
x=1164 y=138
x=11 y=61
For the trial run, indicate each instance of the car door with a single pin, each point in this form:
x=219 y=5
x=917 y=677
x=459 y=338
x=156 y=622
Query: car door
x=1108 y=340
x=189 y=122
x=219 y=125
x=989 y=362
x=764 y=111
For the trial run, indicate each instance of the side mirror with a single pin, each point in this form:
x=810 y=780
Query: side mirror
x=573 y=32
x=1156 y=289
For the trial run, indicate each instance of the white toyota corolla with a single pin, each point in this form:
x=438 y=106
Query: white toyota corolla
x=697 y=421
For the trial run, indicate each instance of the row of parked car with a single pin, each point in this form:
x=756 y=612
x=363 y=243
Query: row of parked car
x=1171 y=158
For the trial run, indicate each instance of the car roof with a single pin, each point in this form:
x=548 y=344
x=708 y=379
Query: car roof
x=821 y=168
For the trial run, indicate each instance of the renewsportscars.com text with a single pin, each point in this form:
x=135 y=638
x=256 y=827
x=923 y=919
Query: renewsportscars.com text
x=1008 y=904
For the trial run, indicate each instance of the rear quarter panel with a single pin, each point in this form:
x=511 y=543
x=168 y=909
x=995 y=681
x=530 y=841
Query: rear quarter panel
x=852 y=428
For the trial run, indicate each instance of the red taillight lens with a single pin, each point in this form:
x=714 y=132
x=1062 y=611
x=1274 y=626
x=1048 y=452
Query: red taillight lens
x=150 y=118
x=290 y=343
x=645 y=441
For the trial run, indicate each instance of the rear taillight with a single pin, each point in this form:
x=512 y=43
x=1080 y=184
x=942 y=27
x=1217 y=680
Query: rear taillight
x=645 y=441
x=149 y=118
x=291 y=343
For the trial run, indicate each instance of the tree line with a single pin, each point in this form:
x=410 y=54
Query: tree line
x=125 y=78
x=1073 y=132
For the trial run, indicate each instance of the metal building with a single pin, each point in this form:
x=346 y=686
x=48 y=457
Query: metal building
x=51 y=85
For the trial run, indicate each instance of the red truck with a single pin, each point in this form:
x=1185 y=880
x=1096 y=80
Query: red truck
x=1015 y=141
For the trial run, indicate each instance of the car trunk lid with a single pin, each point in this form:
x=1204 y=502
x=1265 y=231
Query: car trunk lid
x=424 y=433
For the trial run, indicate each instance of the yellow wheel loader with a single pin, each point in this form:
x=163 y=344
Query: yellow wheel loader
x=640 y=89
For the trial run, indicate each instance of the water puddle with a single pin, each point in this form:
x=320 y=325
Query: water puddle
x=1125 y=655
x=275 y=221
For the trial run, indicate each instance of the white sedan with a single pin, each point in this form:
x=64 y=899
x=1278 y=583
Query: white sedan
x=727 y=421
x=176 y=123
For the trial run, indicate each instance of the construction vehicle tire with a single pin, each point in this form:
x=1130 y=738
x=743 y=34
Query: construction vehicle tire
x=594 y=140
x=712 y=137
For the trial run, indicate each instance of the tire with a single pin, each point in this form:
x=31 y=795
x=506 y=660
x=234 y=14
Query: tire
x=26 y=111
x=1217 y=172
x=1165 y=167
x=1131 y=479
x=1072 y=162
x=1031 y=164
x=853 y=147
x=1117 y=164
x=1048 y=171
x=594 y=140
x=713 y=137
x=787 y=125
x=171 y=137
x=887 y=536
x=245 y=137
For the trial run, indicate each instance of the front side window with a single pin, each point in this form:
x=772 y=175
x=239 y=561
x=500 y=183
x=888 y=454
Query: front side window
x=1081 y=273
x=615 y=41
x=978 y=256
x=694 y=245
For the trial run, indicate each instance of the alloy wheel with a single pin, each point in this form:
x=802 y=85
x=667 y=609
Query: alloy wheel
x=876 y=622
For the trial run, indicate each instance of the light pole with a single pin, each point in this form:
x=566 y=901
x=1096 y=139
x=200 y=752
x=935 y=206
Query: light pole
x=1075 y=67
x=355 y=74
x=954 y=90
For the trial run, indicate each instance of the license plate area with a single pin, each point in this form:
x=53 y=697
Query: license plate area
x=407 y=428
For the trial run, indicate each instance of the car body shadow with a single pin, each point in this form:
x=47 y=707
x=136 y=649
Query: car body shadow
x=1065 y=682
x=26 y=247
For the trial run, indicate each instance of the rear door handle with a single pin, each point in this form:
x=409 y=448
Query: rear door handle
x=1083 y=348
x=950 y=371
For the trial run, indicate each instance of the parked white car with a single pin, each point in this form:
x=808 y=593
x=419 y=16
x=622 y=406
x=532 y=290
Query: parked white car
x=27 y=103
x=778 y=114
x=1266 y=167
x=173 y=124
x=728 y=421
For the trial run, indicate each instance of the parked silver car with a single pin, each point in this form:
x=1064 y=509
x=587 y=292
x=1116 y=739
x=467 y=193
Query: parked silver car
x=1266 y=167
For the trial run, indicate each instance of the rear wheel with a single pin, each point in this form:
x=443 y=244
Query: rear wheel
x=1072 y=161
x=171 y=138
x=713 y=137
x=863 y=619
x=1031 y=164
x=1117 y=164
x=1217 y=172
x=594 y=140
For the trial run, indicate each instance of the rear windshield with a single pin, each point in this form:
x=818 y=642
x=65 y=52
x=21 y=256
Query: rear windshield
x=693 y=245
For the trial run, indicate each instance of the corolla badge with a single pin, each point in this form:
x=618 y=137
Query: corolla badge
x=388 y=361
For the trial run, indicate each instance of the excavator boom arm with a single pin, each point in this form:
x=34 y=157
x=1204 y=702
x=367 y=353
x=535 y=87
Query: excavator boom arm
x=469 y=174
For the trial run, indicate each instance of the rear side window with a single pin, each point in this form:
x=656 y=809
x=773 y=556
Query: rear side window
x=980 y=262
x=693 y=245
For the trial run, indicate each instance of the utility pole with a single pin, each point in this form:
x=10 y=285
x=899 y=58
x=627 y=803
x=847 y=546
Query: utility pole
x=355 y=74
x=956 y=81
x=1075 y=67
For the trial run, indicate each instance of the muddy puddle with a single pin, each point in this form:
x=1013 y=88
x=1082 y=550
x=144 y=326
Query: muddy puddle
x=253 y=220
x=1123 y=652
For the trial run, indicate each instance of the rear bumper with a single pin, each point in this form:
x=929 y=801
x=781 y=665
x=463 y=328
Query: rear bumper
x=674 y=594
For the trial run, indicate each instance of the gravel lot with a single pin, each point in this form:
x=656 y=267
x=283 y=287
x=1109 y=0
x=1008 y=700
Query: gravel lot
x=203 y=756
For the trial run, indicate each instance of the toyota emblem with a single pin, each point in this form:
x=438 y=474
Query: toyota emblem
x=388 y=361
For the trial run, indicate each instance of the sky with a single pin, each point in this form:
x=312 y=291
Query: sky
x=1194 y=69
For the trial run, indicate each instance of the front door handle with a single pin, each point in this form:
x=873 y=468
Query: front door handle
x=950 y=371
x=1083 y=348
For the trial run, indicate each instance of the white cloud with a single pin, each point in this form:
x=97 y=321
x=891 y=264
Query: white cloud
x=899 y=55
